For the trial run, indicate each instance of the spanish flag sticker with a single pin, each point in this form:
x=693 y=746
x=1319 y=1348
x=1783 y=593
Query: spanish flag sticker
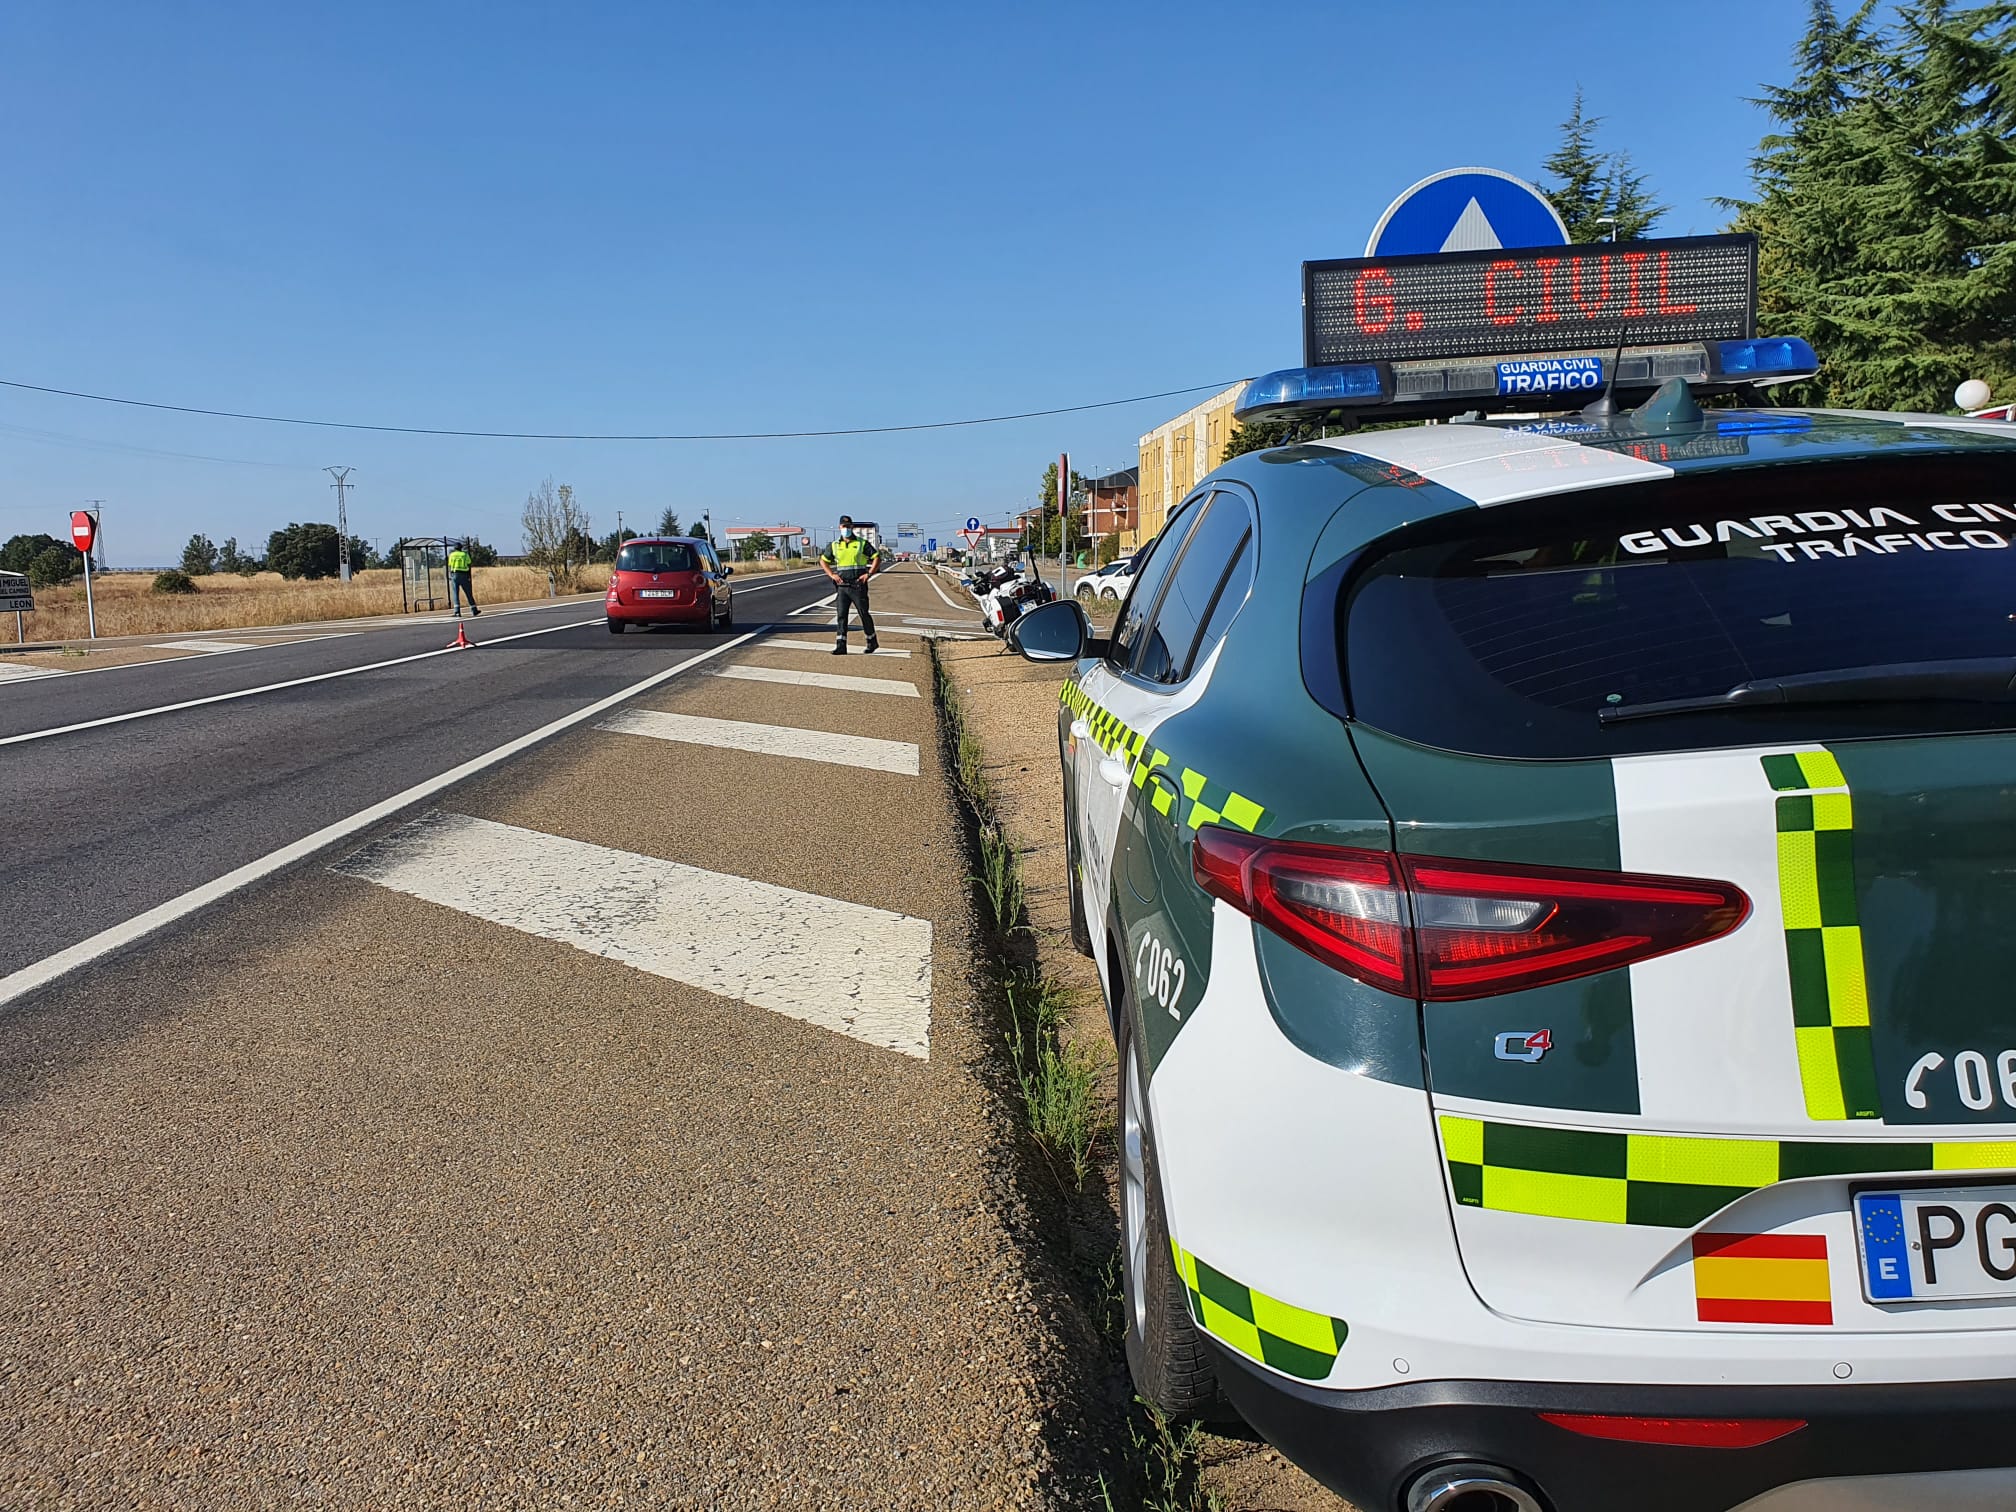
x=1762 y=1278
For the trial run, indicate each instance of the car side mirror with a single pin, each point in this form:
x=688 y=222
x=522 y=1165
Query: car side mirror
x=1054 y=632
x=726 y=570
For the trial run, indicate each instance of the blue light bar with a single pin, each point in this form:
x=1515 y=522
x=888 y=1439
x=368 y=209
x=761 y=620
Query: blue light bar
x=1346 y=383
x=1779 y=358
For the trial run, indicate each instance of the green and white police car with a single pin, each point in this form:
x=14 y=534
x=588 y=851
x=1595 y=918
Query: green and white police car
x=1552 y=882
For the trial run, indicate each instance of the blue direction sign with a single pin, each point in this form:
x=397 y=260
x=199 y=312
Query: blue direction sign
x=973 y=522
x=932 y=544
x=1467 y=210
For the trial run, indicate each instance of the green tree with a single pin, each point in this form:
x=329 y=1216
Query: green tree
x=174 y=582
x=698 y=530
x=752 y=546
x=668 y=523
x=199 y=557
x=20 y=550
x=1885 y=203
x=47 y=561
x=1049 y=494
x=480 y=555
x=303 y=551
x=1599 y=195
x=230 y=559
x=362 y=557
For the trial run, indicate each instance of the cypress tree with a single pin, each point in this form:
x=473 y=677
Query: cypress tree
x=1592 y=189
x=1886 y=203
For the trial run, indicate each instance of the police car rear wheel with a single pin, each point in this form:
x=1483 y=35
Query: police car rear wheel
x=1081 y=929
x=1165 y=1353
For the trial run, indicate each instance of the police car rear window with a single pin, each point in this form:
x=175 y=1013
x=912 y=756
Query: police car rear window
x=657 y=556
x=1506 y=631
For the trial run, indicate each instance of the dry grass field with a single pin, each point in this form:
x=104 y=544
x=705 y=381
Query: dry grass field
x=224 y=601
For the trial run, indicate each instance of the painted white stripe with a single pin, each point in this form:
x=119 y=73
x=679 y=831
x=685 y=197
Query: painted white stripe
x=10 y=671
x=833 y=680
x=207 y=646
x=771 y=643
x=859 y=971
x=922 y=619
x=49 y=968
x=885 y=629
x=825 y=603
x=950 y=602
x=768 y=740
x=292 y=682
x=1713 y=1023
x=1492 y=466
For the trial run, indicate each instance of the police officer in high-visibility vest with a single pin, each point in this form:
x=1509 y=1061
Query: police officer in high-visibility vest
x=461 y=580
x=850 y=562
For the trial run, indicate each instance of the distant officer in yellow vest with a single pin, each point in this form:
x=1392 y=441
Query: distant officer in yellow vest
x=850 y=562
x=461 y=581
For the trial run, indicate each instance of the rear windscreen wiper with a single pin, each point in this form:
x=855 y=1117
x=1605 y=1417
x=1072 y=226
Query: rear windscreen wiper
x=1984 y=679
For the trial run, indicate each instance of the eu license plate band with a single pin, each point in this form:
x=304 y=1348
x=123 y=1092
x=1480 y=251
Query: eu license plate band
x=1886 y=1253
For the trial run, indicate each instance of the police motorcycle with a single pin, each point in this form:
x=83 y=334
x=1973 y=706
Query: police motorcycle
x=1008 y=593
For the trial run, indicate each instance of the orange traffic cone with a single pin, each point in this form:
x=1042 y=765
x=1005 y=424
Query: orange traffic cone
x=461 y=641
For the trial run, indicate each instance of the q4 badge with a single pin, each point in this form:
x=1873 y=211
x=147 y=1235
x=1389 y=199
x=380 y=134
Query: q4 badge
x=1523 y=1045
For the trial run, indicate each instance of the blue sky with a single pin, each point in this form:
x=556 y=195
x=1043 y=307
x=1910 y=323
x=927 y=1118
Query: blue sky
x=761 y=217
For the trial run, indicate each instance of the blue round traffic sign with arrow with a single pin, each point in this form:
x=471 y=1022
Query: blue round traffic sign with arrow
x=1467 y=210
x=973 y=522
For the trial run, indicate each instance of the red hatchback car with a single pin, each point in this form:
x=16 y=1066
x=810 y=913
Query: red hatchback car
x=668 y=580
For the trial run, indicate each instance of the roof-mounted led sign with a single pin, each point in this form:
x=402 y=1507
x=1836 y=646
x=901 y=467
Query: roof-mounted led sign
x=1529 y=300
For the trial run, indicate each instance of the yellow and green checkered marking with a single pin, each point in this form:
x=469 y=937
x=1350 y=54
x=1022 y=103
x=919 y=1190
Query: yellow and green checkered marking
x=1663 y=1180
x=1204 y=801
x=1291 y=1339
x=1823 y=935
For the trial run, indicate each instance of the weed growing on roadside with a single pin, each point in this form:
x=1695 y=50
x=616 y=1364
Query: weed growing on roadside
x=1000 y=879
x=1058 y=1080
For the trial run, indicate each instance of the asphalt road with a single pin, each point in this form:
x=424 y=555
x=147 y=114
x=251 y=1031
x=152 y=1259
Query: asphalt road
x=112 y=820
x=615 y=1126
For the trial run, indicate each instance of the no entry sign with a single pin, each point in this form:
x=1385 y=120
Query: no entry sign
x=83 y=528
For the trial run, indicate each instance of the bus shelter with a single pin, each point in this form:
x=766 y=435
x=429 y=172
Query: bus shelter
x=423 y=573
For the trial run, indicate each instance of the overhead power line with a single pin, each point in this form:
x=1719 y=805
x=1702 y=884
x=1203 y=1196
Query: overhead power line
x=503 y=435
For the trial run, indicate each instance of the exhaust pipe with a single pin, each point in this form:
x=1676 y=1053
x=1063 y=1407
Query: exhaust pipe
x=1469 y=1488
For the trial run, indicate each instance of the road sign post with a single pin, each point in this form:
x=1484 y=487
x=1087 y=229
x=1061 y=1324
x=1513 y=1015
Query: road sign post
x=17 y=595
x=83 y=530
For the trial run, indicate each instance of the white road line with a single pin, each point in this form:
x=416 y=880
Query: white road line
x=882 y=628
x=49 y=968
x=768 y=740
x=950 y=603
x=833 y=680
x=25 y=670
x=824 y=603
x=292 y=682
x=207 y=647
x=863 y=972
x=771 y=643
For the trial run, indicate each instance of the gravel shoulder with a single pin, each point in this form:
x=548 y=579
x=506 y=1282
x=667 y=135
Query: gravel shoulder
x=1011 y=704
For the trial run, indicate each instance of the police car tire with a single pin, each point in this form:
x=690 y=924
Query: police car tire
x=1166 y=1355
x=1081 y=928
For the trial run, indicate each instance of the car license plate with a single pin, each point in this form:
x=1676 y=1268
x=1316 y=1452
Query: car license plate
x=1937 y=1244
x=657 y=593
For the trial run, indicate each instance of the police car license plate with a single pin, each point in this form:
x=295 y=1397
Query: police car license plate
x=1937 y=1244
x=657 y=593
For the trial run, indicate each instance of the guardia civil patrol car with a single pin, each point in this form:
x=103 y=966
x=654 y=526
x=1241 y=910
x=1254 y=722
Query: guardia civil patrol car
x=1553 y=881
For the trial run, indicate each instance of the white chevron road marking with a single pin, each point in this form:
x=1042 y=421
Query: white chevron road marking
x=837 y=682
x=768 y=740
x=858 y=971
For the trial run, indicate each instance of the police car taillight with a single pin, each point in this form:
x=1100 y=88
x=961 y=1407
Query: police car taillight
x=1445 y=930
